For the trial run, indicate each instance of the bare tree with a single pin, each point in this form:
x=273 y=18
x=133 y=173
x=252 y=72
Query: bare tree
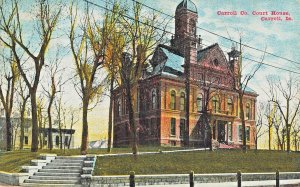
x=23 y=97
x=73 y=122
x=54 y=87
x=285 y=96
x=9 y=76
x=295 y=133
x=60 y=113
x=41 y=120
x=141 y=37
x=270 y=114
x=241 y=87
x=259 y=124
x=12 y=36
x=114 y=50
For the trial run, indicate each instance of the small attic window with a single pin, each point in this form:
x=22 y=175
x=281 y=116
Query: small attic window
x=216 y=62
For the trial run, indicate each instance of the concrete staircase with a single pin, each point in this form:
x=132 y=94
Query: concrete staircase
x=61 y=171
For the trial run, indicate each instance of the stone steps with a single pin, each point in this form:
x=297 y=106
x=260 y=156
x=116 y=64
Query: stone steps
x=62 y=167
x=36 y=181
x=39 y=177
x=70 y=157
x=66 y=161
x=57 y=174
x=65 y=164
x=60 y=170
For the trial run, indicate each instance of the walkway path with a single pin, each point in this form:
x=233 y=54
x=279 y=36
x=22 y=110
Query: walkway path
x=294 y=182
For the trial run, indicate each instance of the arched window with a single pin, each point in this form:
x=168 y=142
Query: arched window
x=57 y=140
x=173 y=100
x=229 y=105
x=248 y=111
x=154 y=99
x=199 y=103
x=193 y=27
x=182 y=101
x=215 y=104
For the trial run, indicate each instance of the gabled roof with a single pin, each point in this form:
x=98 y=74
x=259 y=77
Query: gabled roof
x=172 y=65
x=201 y=53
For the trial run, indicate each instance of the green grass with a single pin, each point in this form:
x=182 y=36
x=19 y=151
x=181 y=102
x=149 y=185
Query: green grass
x=221 y=161
x=12 y=161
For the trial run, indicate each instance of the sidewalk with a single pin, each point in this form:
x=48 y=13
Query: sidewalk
x=294 y=182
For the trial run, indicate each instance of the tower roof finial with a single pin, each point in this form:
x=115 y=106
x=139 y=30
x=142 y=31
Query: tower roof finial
x=189 y=5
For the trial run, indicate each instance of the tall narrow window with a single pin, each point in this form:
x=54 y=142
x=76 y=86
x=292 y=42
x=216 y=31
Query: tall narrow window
x=57 y=140
x=154 y=99
x=215 y=102
x=119 y=107
x=199 y=103
x=182 y=128
x=173 y=126
x=26 y=140
x=248 y=134
x=229 y=131
x=173 y=100
x=248 y=111
x=67 y=141
x=240 y=131
x=182 y=101
x=229 y=105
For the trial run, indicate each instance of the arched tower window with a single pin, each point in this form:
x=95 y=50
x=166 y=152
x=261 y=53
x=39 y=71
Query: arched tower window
x=192 y=26
x=173 y=100
x=182 y=101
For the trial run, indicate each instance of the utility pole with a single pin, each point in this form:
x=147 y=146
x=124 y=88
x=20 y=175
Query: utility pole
x=241 y=95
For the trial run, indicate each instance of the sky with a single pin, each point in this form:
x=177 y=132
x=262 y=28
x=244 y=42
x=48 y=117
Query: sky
x=281 y=38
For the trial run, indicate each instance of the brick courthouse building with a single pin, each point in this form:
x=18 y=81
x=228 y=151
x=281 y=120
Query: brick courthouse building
x=160 y=95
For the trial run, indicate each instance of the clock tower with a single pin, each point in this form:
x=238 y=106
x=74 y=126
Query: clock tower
x=185 y=40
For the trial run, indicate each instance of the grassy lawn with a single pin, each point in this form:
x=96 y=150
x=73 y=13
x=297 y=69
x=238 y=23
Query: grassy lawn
x=12 y=161
x=221 y=161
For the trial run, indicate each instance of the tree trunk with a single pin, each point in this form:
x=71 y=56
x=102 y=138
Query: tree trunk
x=70 y=139
x=8 y=133
x=270 y=138
x=35 y=128
x=242 y=116
x=15 y=137
x=85 y=127
x=110 y=124
x=50 y=124
x=288 y=138
x=22 y=129
x=60 y=138
x=256 y=142
x=132 y=124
